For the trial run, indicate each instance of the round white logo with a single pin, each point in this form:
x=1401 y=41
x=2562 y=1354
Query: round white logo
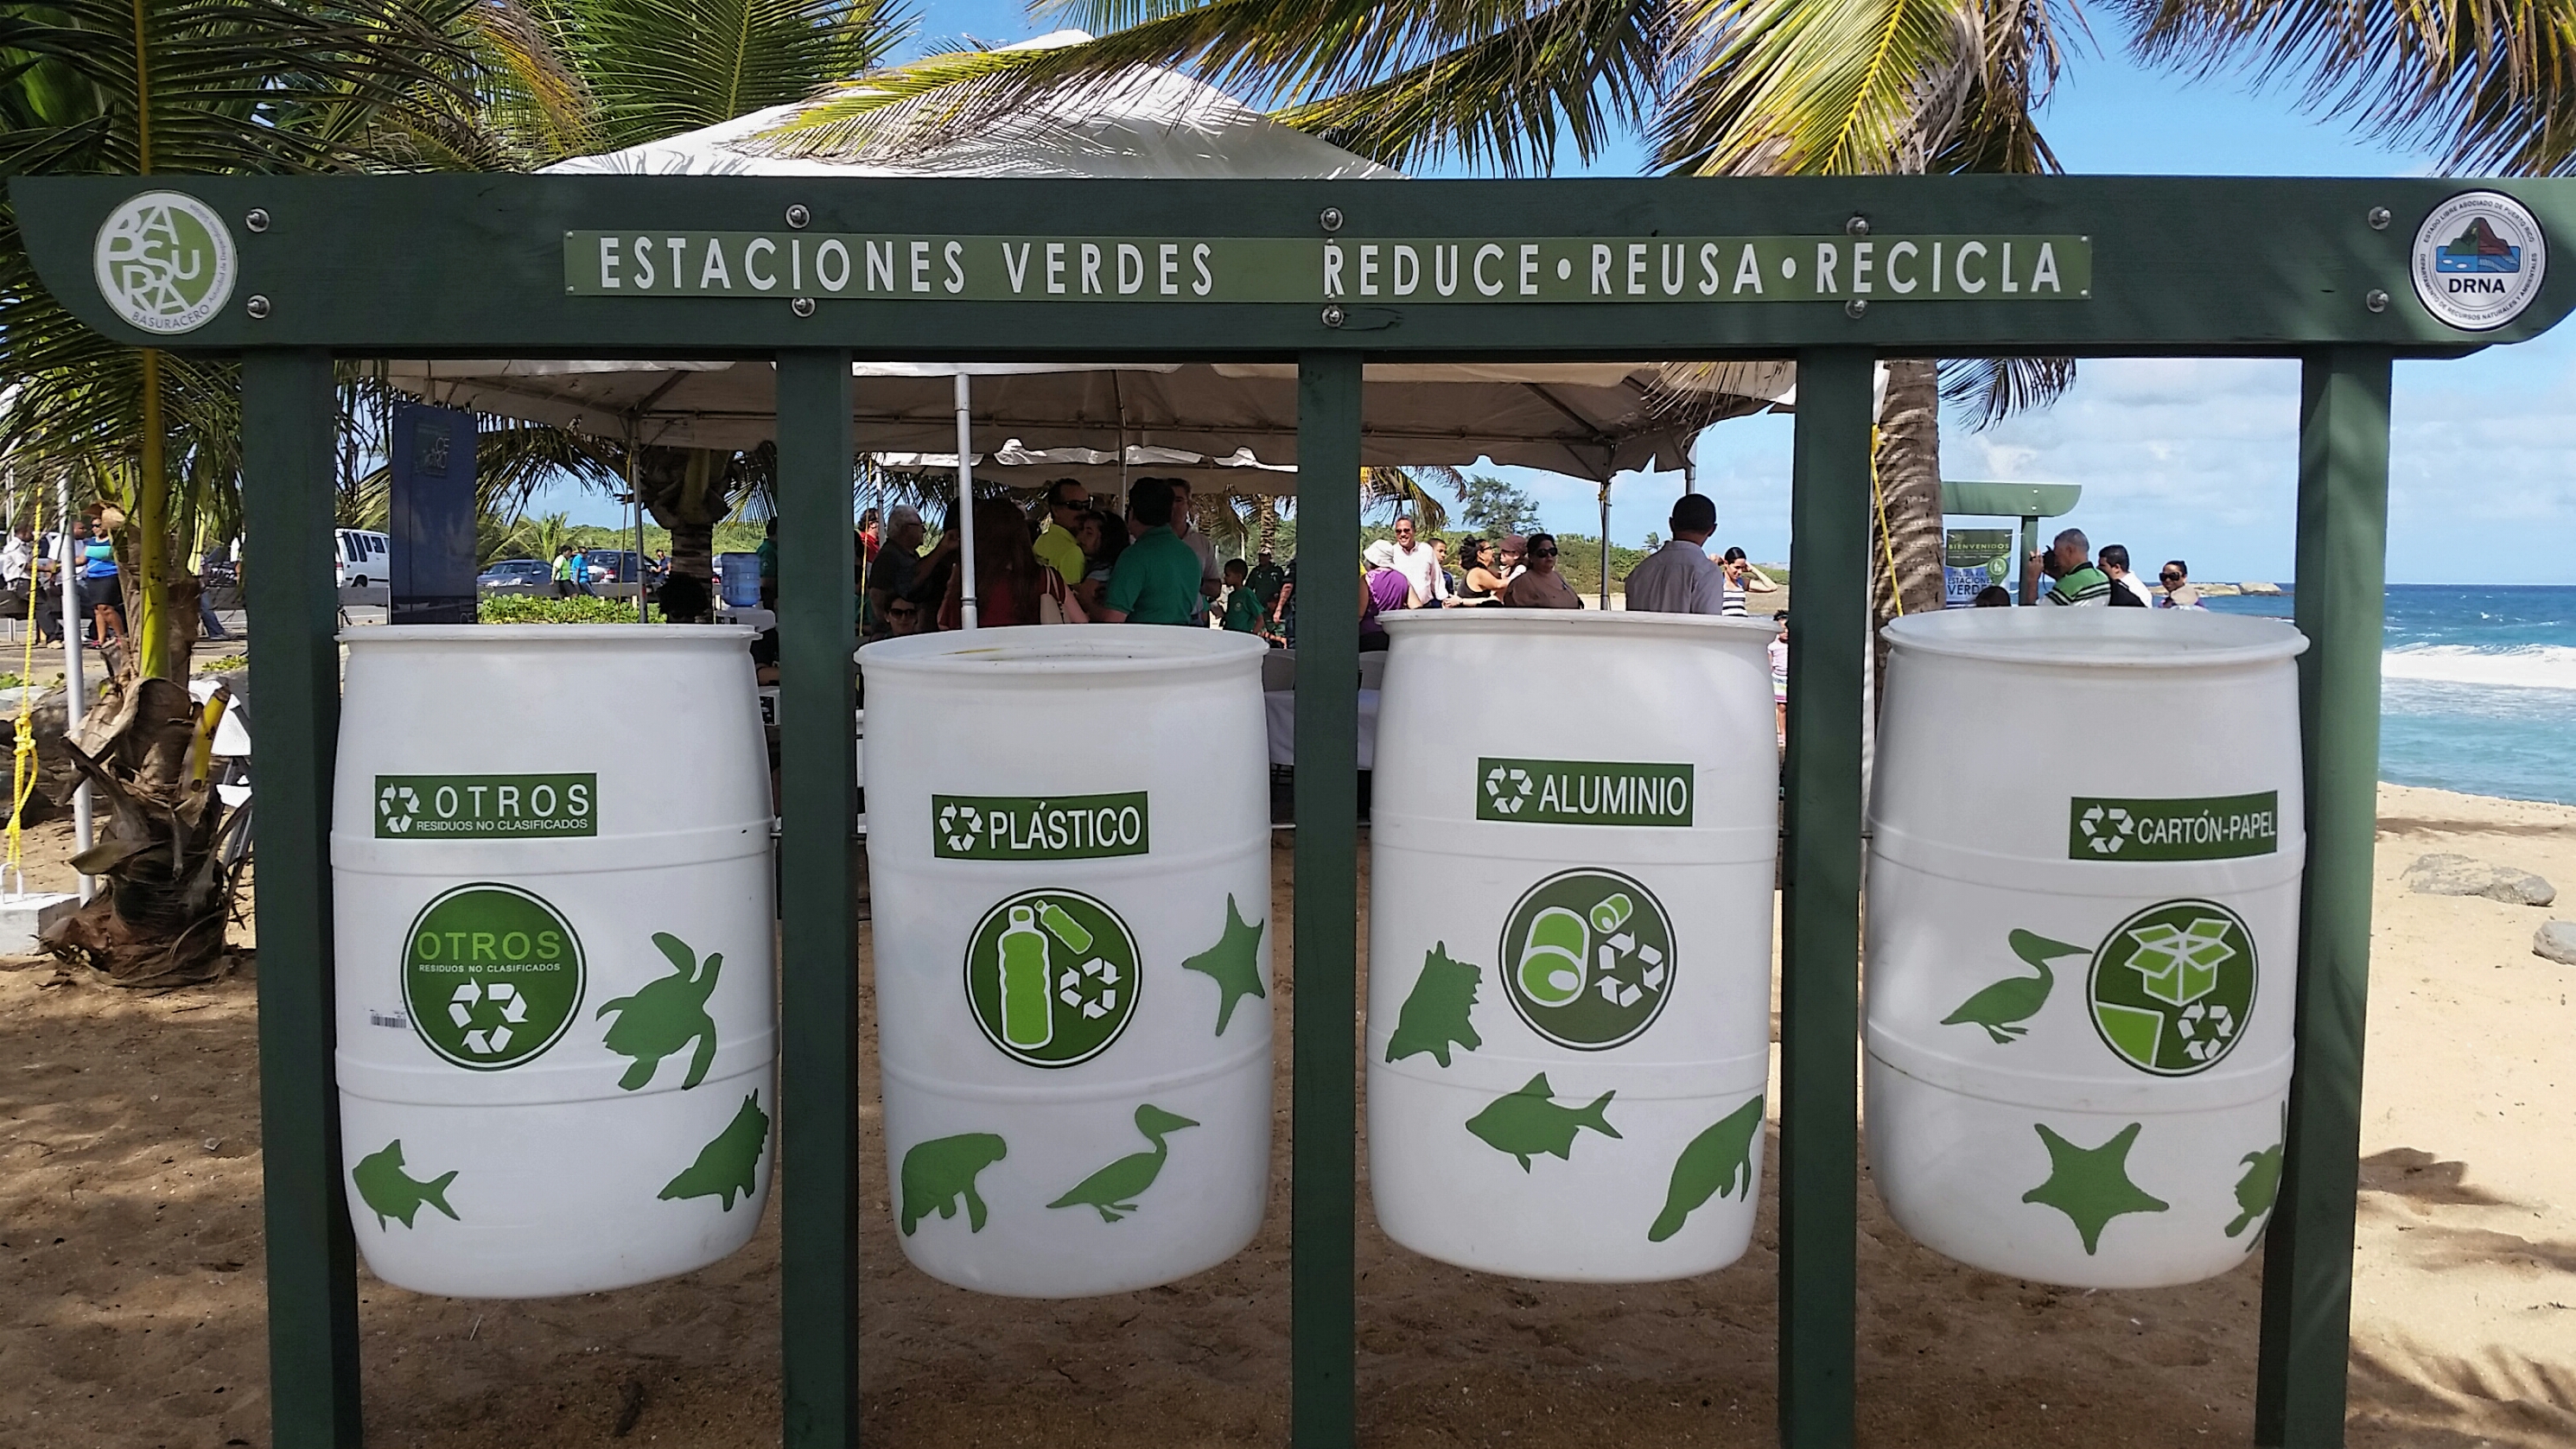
x=165 y=262
x=2479 y=259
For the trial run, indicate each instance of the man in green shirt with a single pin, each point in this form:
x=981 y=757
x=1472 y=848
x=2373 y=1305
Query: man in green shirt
x=1266 y=578
x=1157 y=578
x=2078 y=582
x=1057 y=547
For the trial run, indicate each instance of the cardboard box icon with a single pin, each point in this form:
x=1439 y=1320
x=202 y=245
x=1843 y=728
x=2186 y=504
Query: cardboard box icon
x=2181 y=966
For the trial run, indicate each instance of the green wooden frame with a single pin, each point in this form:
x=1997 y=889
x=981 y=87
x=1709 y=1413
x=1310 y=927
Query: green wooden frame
x=474 y=266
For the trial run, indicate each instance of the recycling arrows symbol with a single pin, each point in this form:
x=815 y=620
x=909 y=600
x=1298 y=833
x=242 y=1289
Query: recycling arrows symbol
x=400 y=805
x=2098 y=820
x=1093 y=1005
x=959 y=825
x=1509 y=789
x=493 y=1041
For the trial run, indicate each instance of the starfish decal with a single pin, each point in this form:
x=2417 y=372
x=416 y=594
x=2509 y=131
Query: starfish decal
x=1234 y=963
x=2091 y=1184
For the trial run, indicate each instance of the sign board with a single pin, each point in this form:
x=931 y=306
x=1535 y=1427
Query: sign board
x=1972 y=559
x=432 y=523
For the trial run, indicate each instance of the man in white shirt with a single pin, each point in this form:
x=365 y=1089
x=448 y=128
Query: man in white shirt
x=1420 y=564
x=1211 y=576
x=17 y=558
x=1679 y=578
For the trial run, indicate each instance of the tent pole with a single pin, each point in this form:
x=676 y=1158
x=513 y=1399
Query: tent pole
x=1605 y=545
x=966 y=609
x=1690 y=467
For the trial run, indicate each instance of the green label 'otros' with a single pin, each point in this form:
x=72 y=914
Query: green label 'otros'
x=1583 y=792
x=2209 y=827
x=492 y=974
x=486 y=807
x=1029 y=827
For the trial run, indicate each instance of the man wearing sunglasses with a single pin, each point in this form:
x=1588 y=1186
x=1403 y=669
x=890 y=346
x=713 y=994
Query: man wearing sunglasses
x=1058 y=547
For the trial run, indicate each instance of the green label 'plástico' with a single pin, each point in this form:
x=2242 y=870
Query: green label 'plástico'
x=1030 y=827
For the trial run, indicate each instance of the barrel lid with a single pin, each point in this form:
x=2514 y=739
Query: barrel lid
x=1587 y=623
x=2098 y=638
x=1054 y=649
x=517 y=634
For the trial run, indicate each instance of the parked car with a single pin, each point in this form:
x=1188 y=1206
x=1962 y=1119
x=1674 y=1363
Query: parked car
x=612 y=565
x=364 y=558
x=516 y=576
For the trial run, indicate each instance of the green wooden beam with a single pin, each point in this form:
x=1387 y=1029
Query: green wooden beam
x=818 y=924
x=2010 y=500
x=427 y=266
x=1820 y=898
x=1324 y=1125
x=288 y=404
x=2341 y=598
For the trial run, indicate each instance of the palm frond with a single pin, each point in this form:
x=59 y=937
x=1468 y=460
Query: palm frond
x=1991 y=389
x=1820 y=87
x=660 y=67
x=1399 y=492
x=2492 y=83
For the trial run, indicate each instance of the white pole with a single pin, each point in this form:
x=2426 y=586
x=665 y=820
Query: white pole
x=75 y=685
x=965 y=501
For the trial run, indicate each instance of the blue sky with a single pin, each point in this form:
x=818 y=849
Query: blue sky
x=2195 y=459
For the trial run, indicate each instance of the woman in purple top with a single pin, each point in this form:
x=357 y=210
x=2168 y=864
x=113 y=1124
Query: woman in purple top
x=1384 y=591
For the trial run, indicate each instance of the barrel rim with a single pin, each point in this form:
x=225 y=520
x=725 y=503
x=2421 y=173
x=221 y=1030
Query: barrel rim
x=2173 y=639
x=1572 y=621
x=1015 y=651
x=735 y=634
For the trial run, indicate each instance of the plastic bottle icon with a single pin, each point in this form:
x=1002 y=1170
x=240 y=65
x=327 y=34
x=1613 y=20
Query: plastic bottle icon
x=1028 y=1014
x=1061 y=925
x=1551 y=964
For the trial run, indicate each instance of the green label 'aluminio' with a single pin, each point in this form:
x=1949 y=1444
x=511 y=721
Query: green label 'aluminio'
x=1033 y=827
x=486 y=807
x=2211 y=827
x=1486 y=270
x=1583 y=792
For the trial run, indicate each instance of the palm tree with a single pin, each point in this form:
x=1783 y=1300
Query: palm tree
x=175 y=87
x=1724 y=87
x=195 y=87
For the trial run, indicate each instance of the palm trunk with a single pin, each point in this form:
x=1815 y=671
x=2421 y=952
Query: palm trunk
x=688 y=491
x=1905 y=539
x=151 y=550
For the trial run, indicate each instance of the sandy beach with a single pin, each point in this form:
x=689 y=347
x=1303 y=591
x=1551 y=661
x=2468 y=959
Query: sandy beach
x=130 y=1253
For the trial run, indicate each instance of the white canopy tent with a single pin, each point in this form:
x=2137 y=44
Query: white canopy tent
x=1228 y=424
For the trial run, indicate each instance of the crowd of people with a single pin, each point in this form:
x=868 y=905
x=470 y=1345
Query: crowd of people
x=2069 y=573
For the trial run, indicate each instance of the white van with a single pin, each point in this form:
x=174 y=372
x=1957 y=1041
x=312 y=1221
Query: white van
x=364 y=558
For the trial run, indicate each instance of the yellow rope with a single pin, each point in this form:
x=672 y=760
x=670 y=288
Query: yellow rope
x=23 y=763
x=1878 y=496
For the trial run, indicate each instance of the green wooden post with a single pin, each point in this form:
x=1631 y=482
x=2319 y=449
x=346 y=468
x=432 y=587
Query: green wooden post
x=2342 y=593
x=287 y=411
x=1820 y=898
x=1324 y=1121
x=818 y=931
x=2027 y=589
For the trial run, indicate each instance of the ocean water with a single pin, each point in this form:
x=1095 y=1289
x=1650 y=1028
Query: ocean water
x=2479 y=687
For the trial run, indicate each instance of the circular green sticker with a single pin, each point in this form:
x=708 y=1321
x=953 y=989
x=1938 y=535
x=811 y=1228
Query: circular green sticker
x=492 y=976
x=2172 y=986
x=1052 y=977
x=1587 y=959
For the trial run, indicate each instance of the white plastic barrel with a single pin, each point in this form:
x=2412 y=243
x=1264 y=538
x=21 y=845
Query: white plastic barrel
x=2084 y=865
x=1571 y=865
x=551 y=889
x=1069 y=849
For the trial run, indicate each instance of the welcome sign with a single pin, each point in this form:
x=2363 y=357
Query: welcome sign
x=1112 y=269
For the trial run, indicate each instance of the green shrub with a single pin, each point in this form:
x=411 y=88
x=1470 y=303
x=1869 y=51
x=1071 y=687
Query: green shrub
x=539 y=609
